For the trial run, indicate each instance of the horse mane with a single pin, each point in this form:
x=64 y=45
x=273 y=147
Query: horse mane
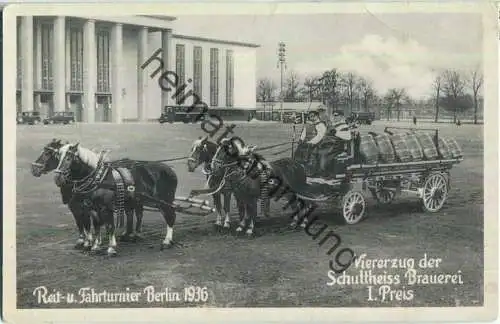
x=87 y=156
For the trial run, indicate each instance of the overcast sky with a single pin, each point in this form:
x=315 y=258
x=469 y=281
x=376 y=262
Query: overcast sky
x=394 y=50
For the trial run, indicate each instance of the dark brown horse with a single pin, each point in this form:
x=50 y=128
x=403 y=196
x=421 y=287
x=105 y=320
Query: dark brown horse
x=237 y=161
x=148 y=183
x=46 y=162
x=202 y=152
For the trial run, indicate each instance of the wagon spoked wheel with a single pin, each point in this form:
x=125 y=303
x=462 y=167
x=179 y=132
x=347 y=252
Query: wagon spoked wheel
x=435 y=192
x=353 y=207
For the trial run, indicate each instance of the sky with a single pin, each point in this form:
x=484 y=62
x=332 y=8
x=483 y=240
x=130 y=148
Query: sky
x=393 y=50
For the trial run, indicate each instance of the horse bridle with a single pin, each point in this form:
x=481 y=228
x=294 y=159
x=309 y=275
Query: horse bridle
x=46 y=153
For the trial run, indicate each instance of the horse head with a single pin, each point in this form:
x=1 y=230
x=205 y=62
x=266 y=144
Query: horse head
x=75 y=162
x=48 y=159
x=199 y=153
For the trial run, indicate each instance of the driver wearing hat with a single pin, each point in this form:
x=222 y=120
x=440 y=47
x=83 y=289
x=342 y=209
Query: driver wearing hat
x=311 y=136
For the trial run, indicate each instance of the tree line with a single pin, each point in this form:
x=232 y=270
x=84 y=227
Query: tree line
x=452 y=91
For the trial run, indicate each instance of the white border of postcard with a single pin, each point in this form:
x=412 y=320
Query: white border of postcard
x=397 y=314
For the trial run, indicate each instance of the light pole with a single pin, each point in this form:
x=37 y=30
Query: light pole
x=282 y=66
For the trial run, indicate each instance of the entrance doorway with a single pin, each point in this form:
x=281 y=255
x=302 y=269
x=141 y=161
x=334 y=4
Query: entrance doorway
x=44 y=103
x=75 y=104
x=103 y=111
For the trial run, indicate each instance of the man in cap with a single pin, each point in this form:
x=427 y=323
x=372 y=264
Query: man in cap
x=312 y=134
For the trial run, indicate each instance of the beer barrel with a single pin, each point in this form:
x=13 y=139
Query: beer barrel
x=414 y=147
x=385 y=148
x=455 y=149
x=401 y=148
x=368 y=149
x=428 y=147
x=444 y=148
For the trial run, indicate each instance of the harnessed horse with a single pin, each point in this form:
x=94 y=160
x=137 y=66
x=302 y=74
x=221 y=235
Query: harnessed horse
x=103 y=182
x=202 y=152
x=46 y=162
x=236 y=162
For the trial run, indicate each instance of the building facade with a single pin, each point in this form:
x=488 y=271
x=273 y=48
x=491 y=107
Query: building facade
x=92 y=66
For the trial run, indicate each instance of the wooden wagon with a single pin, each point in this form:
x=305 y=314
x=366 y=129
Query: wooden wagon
x=428 y=180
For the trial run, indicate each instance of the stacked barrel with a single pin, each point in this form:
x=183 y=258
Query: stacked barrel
x=410 y=146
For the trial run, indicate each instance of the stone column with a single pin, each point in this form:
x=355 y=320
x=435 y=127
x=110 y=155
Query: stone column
x=89 y=71
x=142 y=75
x=116 y=73
x=27 y=62
x=167 y=47
x=59 y=51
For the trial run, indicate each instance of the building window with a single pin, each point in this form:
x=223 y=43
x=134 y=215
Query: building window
x=19 y=60
x=103 y=61
x=198 y=71
x=47 y=46
x=76 y=59
x=180 y=51
x=229 y=78
x=214 y=77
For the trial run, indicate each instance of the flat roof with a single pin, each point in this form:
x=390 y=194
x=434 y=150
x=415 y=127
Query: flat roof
x=213 y=40
x=161 y=17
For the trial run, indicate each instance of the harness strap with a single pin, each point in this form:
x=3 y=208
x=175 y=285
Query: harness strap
x=119 y=201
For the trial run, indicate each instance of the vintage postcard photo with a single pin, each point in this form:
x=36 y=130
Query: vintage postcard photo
x=291 y=162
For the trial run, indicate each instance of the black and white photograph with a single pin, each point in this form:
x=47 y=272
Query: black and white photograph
x=276 y=157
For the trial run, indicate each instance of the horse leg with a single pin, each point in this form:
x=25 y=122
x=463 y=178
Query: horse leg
x=78 y=215
x=139 y=214
x=87 y=216
x=111 y=233
x=97 y=230
x=129 y=212
x=218 y=208
x=252 y=215
x=168 y=213
x=227 y=209
x=242 y=209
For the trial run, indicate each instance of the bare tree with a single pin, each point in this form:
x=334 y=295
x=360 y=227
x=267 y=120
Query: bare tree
x=292 y=87
x=311 y=88
x=366 y=92
x=453 y=87
x=265 y=90
x=394 y=98
x=349 y=87
x=476 y=82
x=436 y=85
x=329 y=88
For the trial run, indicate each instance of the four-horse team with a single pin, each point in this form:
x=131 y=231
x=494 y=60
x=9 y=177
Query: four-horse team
x=103 y=192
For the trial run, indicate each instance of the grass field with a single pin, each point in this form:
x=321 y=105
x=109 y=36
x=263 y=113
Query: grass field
x=279 y=267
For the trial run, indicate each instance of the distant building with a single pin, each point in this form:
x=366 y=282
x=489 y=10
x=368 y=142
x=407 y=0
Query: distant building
x=92 y=66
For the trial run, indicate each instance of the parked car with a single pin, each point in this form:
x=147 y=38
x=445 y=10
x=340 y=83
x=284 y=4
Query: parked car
x=28 y=117
x=60 y=117
x=363 y=117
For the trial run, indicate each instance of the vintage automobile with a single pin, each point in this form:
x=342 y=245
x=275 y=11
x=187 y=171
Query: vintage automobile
x=363 y=117
x=184 y=114
x=60 y=117
x=28 y=117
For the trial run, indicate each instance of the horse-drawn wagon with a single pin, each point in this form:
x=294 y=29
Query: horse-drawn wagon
x=424 y=172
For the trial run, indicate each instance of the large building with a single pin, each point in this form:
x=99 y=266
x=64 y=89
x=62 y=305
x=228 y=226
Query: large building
x=92 y=66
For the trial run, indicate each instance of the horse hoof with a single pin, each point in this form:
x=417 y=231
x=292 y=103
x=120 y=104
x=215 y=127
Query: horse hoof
x=86 y=248
x=249 y=233
x=112 y=252
x=303 y=225
x=239 y=229
x=78 y=246
x=166 y=246
x=227 y=226
x=293 y=225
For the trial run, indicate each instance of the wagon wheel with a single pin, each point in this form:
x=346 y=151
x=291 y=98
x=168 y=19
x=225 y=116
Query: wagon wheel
x=353 y=207
x=434 y=192
x=382 y=195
